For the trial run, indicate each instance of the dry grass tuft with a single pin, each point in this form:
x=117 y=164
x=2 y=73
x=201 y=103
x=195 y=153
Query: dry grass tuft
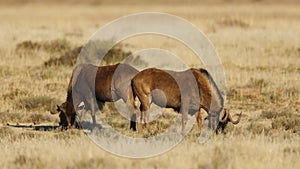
x=258 y=128
x=38 y=118
x=95 y=162
x=68 y=135
x=274 y=114
x=67 y=59
x=283 y=121
x=37 y=102
x=92 y=51
x=53 y=46
x=8 y=116
x=292 y=124
x=14 y=94
x=257 y=83
x=5 y=132
x=24 y=161
x=220 y=158
x=32 y=118
x=235 y=22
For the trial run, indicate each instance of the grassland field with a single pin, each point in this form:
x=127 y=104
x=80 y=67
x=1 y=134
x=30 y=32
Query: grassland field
x=258 y=44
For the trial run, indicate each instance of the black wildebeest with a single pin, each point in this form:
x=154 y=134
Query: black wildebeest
x=225 y=119
x=184 y=91
x=92 y=84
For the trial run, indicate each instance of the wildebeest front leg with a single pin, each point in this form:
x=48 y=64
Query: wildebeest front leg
x=92 y=106
x=184 y=112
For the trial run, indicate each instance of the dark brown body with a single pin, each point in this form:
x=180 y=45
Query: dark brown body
x=185 y=91
x=96 y=85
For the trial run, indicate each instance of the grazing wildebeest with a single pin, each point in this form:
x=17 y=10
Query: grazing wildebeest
x=92 y=84
x=225 y=119
x=184 y=91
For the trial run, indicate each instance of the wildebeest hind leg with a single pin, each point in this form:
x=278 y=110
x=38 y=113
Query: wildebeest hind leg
x=138 y=121
x=146 y=119
x=131 y=108
x=145 y=106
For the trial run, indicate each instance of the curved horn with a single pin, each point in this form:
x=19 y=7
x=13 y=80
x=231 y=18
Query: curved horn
x=227 y=115
x=236 y=121
x=51 y=112
x=57 y=109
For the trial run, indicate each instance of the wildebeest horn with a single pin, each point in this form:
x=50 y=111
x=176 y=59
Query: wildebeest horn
x=236 y=121
x=226 y=114
x=55 y=112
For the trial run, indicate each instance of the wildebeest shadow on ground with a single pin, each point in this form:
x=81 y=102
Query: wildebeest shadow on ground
x=36 y=127
x=83 y=125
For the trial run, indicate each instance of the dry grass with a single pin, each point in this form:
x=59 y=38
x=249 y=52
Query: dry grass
x=257 y=43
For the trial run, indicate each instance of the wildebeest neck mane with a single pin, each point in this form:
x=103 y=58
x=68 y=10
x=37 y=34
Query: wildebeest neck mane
x=214 y=86
x=74 y=78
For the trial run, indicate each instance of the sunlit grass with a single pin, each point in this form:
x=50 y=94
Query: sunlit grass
x=257 y=44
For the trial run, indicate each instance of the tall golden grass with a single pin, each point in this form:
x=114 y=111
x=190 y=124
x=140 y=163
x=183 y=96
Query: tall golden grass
x=257 y=43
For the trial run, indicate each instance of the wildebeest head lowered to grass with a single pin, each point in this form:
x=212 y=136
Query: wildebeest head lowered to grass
x=226 y=119
x=96 y=85
x=184 y=91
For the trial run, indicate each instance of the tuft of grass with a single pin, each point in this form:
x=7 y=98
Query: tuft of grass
x=291 y=150
x=10 y=134
x=55 y=86
x=291 y=92
x=95 y=162
x=235 y=22
x=7 y=116
x=269 y=114
x=257 y=83
x=42 y=73
x=25 y=161
x=92 y=52
x=5 y=71
x=37 y=102
x=292 y=124
x=274 y=114
x=97 y=49
x=220 y=159
x=258 y=128
x=67 y=59
x=38 y=118
x=15 y=93
x=6 y=132
x=53 y=46
x=26 y=135
x=68 y=134
x=17 y=117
